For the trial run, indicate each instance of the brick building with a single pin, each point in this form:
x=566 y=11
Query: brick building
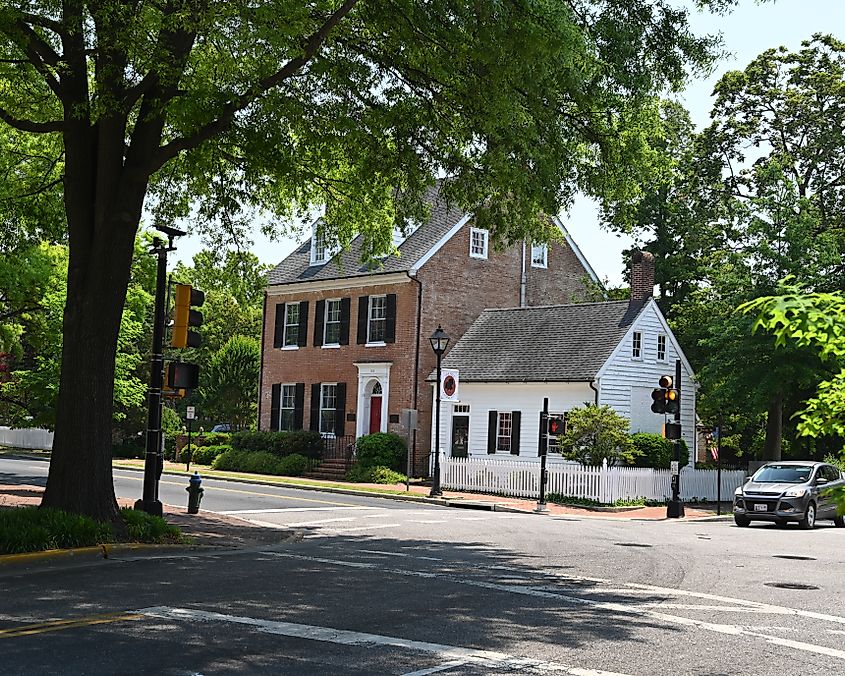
x=345 y=345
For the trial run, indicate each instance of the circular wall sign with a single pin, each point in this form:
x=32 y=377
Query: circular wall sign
x=449 y=385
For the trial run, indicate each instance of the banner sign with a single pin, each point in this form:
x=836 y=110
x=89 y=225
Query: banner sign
x=449 y=385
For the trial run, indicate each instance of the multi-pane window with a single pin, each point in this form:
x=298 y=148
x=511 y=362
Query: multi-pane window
x=477 y=243
x=331 y=330
x=288 y=404
x=377 y=319
x=319 y=249
x=503 y=433
x=661 y=347
x=291 y=324
x=637 y=345
x=328 y=408
x=461 y=408
x=539 y=255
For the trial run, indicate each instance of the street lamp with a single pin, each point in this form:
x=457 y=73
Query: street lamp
x=439 y=340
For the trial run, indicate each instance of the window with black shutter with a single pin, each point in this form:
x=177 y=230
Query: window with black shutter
x=344 y=321
x=516 y=417
x=319 y=314
x=492 y=428
x=390 y=323
x=340 y=409
x=298 y=406
x=363 y=318
x=275 y=403
x=279 y=331
x=303 y=324
x=314 y=422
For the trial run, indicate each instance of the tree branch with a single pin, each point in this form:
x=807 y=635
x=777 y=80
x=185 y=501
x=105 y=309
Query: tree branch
x=217 y=126
x=29 y=125
x=14 y=313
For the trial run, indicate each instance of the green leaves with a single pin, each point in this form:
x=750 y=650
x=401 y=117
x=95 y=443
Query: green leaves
x=597 y=433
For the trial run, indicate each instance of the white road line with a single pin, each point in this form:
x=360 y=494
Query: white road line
x=374 y=551
x=486 y=658
x=434 y=670
x=294 y=524
x=358 y=528
x=282 y=510
x=429 y=521
x=620 y=608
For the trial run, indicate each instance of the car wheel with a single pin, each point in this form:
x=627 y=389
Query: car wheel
x=839 y=521
x=809 y=519
x=741 y=521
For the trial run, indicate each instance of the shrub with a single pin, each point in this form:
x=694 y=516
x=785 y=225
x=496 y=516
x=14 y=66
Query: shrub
x=293 y=465
x=255 y=462
x=374 y=475
x=309 y=444
x=596 y=433
x=204 y=455
x=229 y=461
x=30 y=529
x=128 y=449
x=210 y=439
x=652 y=450
x=145 y=527
x=381 y=449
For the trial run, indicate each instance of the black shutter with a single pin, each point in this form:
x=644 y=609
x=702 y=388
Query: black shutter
x=492 y=424
x=275 y=406
x=315 y=407
x=279 y=331
x=319 y=316
x=303 y=324
x=298 y=405
x=516 y=418
x=340 y=410
x=344 y=321
x=390 y=323
x=363 y=318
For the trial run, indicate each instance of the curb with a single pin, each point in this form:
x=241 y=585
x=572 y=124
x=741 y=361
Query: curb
x=81 y=554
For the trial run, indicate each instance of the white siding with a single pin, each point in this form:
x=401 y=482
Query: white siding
x=625 y=382
x=525 y=397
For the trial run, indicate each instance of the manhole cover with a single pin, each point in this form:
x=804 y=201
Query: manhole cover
x=631 y=544
x=790 y=585
x=793 y=557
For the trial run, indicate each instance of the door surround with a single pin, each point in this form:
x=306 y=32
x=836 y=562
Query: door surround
x=371 y=374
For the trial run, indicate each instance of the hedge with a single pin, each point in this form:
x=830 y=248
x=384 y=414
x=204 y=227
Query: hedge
x=652 y=450
x=261 y=462
x=280 y=444
x=374 y=475
x=381 y=449
x=204 y=455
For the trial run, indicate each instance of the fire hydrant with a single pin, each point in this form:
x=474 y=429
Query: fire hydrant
x=195 y=492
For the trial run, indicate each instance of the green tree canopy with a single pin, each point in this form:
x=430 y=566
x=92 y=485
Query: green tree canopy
x=230 y=387
x=595 y=434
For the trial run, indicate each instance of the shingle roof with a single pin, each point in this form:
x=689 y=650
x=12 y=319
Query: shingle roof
x=296 y=267
x=536 y=344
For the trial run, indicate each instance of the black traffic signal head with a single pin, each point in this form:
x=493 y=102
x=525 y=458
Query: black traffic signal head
x=658 y=400
x=182 y=376
x=673 y=401
x=555 y=425
x=665 y=382
x=184 y=317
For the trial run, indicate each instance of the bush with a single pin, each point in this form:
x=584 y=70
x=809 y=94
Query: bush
x=381 y=449
x=128 y=449
x=652 y=450
x=204 y=455
x=595 y=434
x=229 y=461
x=30 y=529
x=145 y=527
x=293 y=465
x=210 y=439
x=374 y=475
x=309 y=444
x=254 y=462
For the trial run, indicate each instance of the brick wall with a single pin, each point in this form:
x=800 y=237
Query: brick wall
x=562 y=281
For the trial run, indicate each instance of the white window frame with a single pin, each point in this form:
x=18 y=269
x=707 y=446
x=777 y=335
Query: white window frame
x=539 y=255
x=637 y=345
x=371 y=319
x=323 y=408
x=478 y=250
x=504 y=421
x=286 y=339
x=288 y=396
x=334 y=322
x=661 y=347
x=319 y=248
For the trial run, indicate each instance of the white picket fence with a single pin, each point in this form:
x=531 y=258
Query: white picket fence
x=26 y=438
x=521 y=478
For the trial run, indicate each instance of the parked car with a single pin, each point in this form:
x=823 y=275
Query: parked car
x=222 y=427
x=781 y=492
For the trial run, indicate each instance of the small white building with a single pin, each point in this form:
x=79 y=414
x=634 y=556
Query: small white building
x=610 y=353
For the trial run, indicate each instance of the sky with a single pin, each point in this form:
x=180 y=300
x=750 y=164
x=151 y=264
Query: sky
x=747 y=31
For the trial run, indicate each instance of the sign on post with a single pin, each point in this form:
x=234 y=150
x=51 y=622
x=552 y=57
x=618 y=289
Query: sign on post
x=674 y=466
x=449 y=385
x=191 y=413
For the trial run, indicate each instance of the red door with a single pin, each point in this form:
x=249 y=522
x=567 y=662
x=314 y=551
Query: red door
x=375 y=414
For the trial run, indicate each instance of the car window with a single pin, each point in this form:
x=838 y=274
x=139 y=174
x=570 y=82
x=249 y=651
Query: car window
x=830 y=473
x=787 y=474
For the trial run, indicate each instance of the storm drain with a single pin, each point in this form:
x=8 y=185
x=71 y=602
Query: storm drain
x=793 y=557
x=631 y=544
x=790 y=585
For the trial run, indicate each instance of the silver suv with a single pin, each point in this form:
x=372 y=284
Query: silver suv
x=789 y=491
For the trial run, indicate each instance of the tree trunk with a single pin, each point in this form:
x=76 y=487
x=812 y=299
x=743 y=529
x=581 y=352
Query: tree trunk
x=774 y=429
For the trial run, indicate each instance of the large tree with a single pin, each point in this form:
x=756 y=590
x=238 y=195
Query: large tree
x=356 y=104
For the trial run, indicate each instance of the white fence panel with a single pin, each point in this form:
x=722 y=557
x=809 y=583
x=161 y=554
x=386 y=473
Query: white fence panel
x=520 y=478
x=26 y=438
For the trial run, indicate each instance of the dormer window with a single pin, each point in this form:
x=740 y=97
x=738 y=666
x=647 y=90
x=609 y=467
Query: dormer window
x=321 y=252
x=539 y=255
x=477 y=243
x=399 y=236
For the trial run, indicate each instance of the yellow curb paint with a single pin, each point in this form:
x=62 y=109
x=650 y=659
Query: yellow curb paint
x=100 y=551
x=71 y=623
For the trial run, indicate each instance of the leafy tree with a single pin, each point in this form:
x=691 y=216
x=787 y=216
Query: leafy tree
x=597 y=433
x=355 y=105
x=230 y=389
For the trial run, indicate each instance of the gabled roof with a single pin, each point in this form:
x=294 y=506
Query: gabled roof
x=296 y=267
x=567 y=343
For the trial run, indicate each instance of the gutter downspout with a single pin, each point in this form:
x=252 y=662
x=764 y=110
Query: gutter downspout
x=593 y=387
x=261 y=367
x=522 y=279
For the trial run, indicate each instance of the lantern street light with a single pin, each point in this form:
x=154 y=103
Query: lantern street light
x=439 y=340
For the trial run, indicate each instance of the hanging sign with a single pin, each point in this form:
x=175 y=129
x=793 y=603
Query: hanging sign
x=449 y=385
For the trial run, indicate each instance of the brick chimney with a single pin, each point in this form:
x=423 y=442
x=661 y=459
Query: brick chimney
x=642 y=276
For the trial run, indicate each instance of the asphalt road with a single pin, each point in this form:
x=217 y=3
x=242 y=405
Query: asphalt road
x=382 y=587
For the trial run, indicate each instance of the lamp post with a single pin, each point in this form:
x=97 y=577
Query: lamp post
x=439 y=340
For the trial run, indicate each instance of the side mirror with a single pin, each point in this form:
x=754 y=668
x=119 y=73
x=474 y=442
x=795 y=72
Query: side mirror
x=821 y=481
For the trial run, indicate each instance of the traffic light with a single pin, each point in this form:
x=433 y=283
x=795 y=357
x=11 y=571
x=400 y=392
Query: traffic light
x=185 y=317
x=665 y=382
x=658 y=400
x=181 y=376
x=673 y=401
x=555 y=425
x=665 y=399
